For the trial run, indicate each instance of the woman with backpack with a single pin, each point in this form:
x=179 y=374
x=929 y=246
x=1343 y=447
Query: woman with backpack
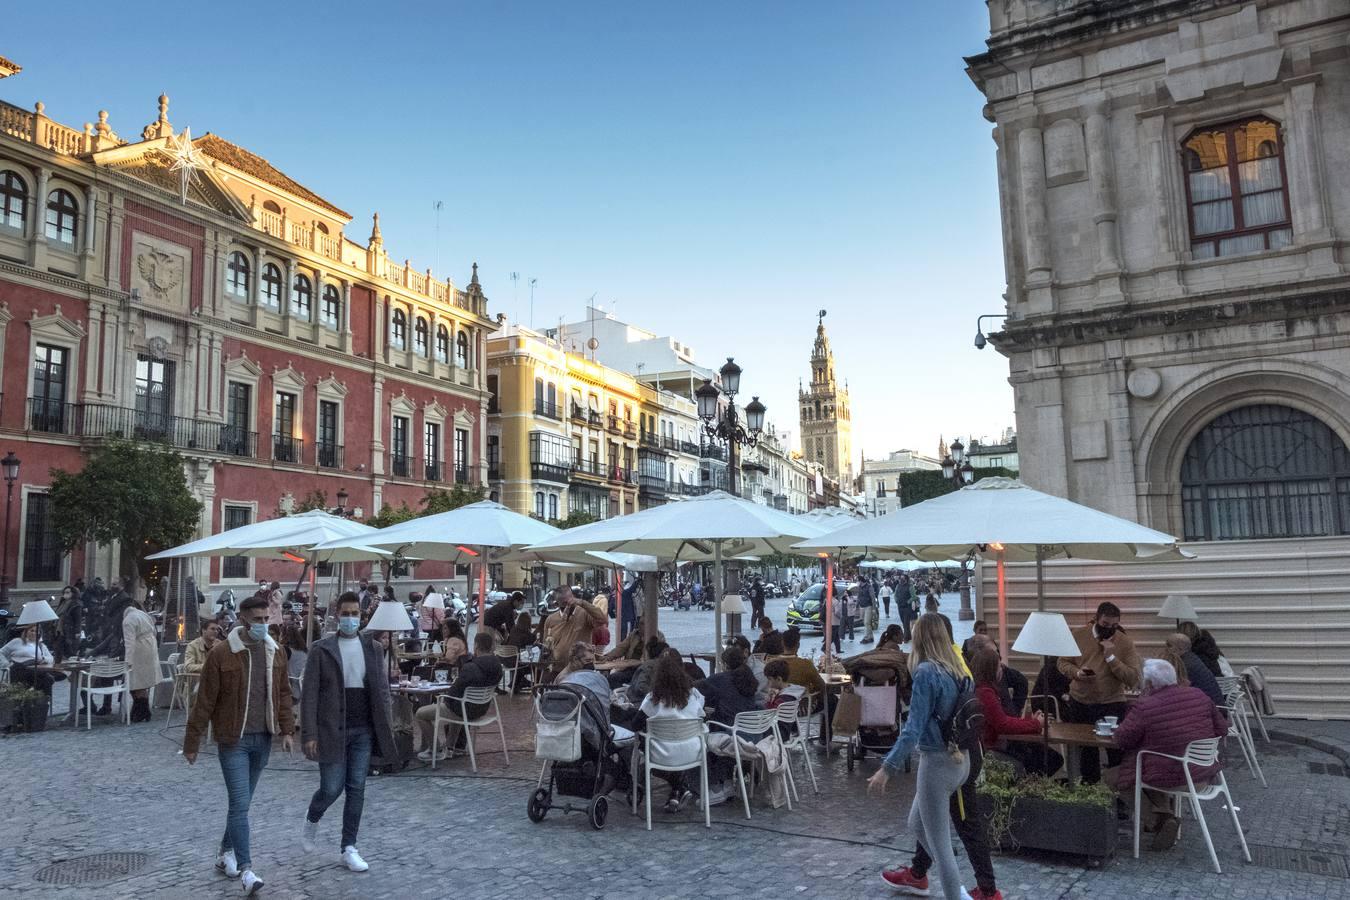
x=935 y=728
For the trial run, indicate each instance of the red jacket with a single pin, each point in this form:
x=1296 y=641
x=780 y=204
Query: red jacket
x=997 y=722
x=1167 y=720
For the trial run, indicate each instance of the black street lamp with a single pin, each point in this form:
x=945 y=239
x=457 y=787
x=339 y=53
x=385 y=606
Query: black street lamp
x=724 y=424
x=11 y=466
x=957 y=469
x=341 y=509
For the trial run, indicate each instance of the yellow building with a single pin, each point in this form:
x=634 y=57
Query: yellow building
x=563 y=431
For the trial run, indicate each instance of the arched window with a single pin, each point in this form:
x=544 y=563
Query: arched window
x=398 y=336
x=271 y=286
x=538 y=396
x=1236 y=189
x=552 y=506
x=331 y=313
x=302 y=296
x=237 y=275
x=1264 y=472
x=420 y=336
x=322 y=228
x=442 y=344
x=13 y=200
x=539 y=504
x=62 y=216
x=271 y=206
x=462 y=350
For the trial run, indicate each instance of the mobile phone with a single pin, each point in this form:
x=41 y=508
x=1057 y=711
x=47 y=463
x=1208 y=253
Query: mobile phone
x=1087 y=672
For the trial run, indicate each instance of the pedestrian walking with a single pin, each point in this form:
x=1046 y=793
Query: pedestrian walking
x=756 y=601
x=245 y=699
x=867 y=609
x=887 y=592
x=904 y=605
x=344 y=717
x=849 y=605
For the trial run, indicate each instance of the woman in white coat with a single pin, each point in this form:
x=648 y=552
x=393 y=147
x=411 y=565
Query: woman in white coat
x=138 y=634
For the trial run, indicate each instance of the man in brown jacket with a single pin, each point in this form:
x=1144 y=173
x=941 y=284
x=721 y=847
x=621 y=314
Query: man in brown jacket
x=574 y=621
x=1106 y=665
x=245 y=698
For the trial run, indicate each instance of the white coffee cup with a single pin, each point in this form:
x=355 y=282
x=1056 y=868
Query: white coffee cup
x=1113 y=721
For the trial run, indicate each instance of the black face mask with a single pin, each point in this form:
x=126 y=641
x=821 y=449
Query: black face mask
x=1106 y=632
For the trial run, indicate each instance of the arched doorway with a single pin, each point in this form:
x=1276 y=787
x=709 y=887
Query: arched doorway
x=1265 y=471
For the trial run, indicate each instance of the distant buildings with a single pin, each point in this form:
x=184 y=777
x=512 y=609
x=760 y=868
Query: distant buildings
x=881 y=479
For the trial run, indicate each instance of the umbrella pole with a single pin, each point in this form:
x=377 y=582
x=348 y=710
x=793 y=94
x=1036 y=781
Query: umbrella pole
x=1040 y=578
x=1002 y=605
x=829 y=606
x=309 y=606
x=717 y=603
x=618 y=605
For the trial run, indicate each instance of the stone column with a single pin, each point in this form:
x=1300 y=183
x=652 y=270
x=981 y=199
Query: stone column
x=346 y=324
x=1012 y=280
x=288 y=280
x=1157 y=157
x=217 y=396
x=1035 y=220
x=93 y=347
x=1307 y=181
x=87 y=234
x=377 y=418
x=37 y=238
x=114 y=249
x=255 y=290
x=112 y=343
x=1103 y=189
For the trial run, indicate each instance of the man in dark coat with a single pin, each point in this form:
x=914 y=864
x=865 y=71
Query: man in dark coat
x=344 y=717
x=107 y=631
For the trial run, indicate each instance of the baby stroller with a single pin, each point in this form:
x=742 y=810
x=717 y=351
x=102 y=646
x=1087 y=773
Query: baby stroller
x=883 y=689
x=581 y=756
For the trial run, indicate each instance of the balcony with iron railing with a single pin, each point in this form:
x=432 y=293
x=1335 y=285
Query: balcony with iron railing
x=432 y=470
x=595 y=420
x=654 y=484
x=578 y=413
x=462 y=476
x=328 y=455
x=615 y=424
x=713 y=451
x=669 y=443
x=547 y=471
x=92 y=420
x=588 y=467
x=689 y=447
x=288 y=449
x=400 y=466
x=547 y=409
x=629 y=429
x=621 y=475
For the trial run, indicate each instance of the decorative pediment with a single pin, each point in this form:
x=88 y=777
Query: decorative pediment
x=288 y=378
x=55 y=325
x=434 y=411
x=464 y=418
x=5 y=314
x=243 y=367
x=402 y=406
x=331 y=387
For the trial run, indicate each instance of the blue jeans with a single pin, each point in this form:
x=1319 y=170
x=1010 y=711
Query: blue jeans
x=349 y=774
x=241 y=764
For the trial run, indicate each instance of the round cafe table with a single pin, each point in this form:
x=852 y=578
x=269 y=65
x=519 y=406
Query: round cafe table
x=1069 y=735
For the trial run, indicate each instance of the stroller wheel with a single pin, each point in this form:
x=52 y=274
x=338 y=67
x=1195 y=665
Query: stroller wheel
x=598 y=812
x=539 y=804
x=850 y=756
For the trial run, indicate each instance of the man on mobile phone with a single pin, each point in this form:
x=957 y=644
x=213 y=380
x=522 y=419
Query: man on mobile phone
x=1106 y=666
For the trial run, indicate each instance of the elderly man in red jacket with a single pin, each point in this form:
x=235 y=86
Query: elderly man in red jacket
x=1166 y=719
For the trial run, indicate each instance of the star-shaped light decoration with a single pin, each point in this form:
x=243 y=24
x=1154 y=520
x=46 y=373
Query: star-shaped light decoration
x=185 y=159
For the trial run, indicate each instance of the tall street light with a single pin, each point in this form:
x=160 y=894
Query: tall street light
x=11 y=466
x=723 y=423
x=958 y=470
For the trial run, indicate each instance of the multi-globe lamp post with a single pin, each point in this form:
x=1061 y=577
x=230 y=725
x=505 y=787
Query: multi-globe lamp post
x=723 y=423
x=10 y=464
x=957 y=469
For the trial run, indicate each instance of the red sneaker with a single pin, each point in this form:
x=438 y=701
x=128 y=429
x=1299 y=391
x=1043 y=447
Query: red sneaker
x=907 y=881
x=978 y=894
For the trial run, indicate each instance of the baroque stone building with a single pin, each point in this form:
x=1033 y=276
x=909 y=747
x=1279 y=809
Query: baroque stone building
x=826 y=417
x=1173 y=180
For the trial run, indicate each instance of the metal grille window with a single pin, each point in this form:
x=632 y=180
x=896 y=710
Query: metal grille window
x=154 y=397
x=399 y=450
x=283 y=429
x=234 y=437
x=13 y=200
x=302 y=297
x=461 y=455
x=49 y=389
x=1265 y=472
x=41 y=555
x=235 y=517
x=431 y=449
x=328 y=435
x=62 y=216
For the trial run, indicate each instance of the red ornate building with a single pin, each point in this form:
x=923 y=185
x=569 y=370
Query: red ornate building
x=225 y=312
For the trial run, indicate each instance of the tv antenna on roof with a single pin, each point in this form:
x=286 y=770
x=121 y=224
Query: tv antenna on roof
x=436 y=251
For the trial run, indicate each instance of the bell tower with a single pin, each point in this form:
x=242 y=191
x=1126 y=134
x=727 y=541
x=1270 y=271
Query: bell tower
x=826 y=417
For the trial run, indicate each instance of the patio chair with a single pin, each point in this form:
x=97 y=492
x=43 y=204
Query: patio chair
x=510 y=658
x=673 y=731
x=1200 y=753
x=477 y=696
x=750 y=726
x=184 y=689
x=114 y=669
x=1239 y=726
x=787 y=717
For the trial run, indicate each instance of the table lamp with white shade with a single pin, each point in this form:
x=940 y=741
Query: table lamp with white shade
x=1178 y=607
x=36 y=612
x=390 y=616
x=1046 y=634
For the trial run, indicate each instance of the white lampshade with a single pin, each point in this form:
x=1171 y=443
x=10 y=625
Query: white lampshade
x=435 y=601
x=732 y=603
x=389 y=616
x=36 y=612
x=1178 y=606
x=1046 y=634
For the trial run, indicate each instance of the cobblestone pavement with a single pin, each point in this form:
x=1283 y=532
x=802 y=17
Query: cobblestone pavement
x=448 y=832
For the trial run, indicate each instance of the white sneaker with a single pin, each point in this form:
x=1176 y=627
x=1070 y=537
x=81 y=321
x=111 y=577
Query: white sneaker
x=309 y=835
x=425 y=756
x=250 y=883
x=226 y=864
x=352 y=860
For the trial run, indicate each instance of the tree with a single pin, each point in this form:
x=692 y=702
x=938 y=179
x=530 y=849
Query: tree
x=916 y=487
x=576 y=519
x=389 y=515
x=439 y=501
x=133 y=493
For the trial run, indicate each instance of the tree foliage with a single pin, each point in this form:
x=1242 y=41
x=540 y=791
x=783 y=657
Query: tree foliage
x=391 y=515
x=435 y=501
x=916 y=487
x=134 y=493
x=575 y=519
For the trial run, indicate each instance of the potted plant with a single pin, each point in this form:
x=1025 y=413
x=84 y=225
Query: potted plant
x=1044 y=814
x=23 y=708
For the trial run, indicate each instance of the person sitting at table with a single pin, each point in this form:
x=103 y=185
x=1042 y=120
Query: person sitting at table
x=892 y=638
x=771 y=645
x=483 y=670
x=18 y=656
x=1011 y=684
x=780 y=690
x=765 y=629
x=754 y=664
x=581 y=672
x=641 y=682
x=979 y=629
x=453 y=646
x=630 y=648
x=1166 y=718
x=672 y=696
x=194 y=657
x=1034 y=758
x=1204 y=646
x=1187 y=663
x=522 y=634
x=430 y=617
x=801 y=671
x=731 y=690
x=1105 y=666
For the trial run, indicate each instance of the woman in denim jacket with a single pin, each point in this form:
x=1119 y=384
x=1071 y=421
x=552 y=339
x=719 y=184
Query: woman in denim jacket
x=942 y=769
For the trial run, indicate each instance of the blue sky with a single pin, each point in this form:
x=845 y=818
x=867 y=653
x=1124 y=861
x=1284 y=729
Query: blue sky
x=719 y=171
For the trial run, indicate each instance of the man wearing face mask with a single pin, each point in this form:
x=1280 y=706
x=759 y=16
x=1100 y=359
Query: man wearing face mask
x=245 y=699
x=1106 y=666
x=344 y=717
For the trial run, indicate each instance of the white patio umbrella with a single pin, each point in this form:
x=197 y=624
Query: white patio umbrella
x=710 y=527
x=1006 y=520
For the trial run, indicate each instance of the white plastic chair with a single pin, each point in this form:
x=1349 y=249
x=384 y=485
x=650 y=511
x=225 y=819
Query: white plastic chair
x=477 y=696
x=510 y=658
x=667 y=731
x=1200 y=753
x=751 y=725
x=184 y=689
x=787 y=717
x=115 y=669
x=1239 y=726
x=1255 y=706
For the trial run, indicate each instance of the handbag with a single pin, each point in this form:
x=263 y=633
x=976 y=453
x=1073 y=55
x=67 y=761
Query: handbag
x=847 y=712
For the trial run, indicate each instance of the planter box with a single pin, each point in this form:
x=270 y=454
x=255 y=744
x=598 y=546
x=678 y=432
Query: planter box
x=1077 y=829
x=31 y=716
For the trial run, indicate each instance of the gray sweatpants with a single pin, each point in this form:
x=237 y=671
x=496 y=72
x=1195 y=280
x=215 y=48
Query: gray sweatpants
x=940 y=775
